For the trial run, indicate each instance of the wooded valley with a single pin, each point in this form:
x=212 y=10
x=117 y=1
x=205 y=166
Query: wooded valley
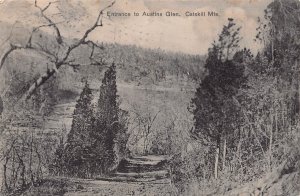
x=82 y=117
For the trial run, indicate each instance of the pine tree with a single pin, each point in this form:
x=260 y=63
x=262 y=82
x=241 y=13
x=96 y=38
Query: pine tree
x=215 y=113
x=79 y=138
x=107 y=122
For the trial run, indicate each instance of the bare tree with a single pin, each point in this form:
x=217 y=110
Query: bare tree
x=61 y=54
x=144 y=121
x=148 y=124
x=22 y=162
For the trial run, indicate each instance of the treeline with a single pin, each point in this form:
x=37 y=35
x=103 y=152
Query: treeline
x=134 y=64
x=153 y=65
x=246 y=109
x=138 y=65
x=143 y=66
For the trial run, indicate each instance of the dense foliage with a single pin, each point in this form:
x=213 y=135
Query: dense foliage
x=242 y=123
x=246 y=109
x=107 y=120
x=97 y=139
x=216 y=114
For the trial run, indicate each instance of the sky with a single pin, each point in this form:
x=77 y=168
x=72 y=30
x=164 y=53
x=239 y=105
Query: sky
x=192 y=35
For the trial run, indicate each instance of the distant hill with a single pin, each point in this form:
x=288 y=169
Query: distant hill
x=149 y=81
x=135 y=65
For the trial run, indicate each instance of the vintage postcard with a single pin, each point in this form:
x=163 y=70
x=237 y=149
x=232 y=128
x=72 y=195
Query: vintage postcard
x=149 y=97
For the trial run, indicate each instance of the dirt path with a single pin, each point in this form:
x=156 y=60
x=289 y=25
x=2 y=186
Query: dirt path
x=100 y=187
x=144 y=175
x=140 y=176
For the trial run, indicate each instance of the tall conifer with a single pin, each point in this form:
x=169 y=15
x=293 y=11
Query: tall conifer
x=79 y=140
x=107 y=124
x=215 y=112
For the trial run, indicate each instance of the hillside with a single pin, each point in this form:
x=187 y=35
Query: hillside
x=136 y=64
x=150 y=83
x=148 y=80
x=86 y=117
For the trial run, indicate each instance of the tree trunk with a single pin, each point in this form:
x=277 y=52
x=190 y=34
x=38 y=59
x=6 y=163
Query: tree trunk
x=4 y=174
x=224 y=154
x=22 y=172
x=30 y=160
x=39 y=174
x=40 y=81
x=270 y=149
x=298 y=86
x=239 y=152
x=217 y=161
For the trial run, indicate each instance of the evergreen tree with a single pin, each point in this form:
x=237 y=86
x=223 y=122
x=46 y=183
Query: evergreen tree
x=79 y=140
x=279 y=31
x=273 y=102
x=215 y=113
x=107 y=122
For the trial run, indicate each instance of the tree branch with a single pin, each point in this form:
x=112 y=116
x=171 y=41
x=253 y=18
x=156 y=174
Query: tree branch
x=7 y=53
x=51 y=23
x=29 y=42
x=86 y=34
x=14 y=47
x=58 y=62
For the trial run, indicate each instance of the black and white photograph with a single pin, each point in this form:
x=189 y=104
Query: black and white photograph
x=150 y=97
